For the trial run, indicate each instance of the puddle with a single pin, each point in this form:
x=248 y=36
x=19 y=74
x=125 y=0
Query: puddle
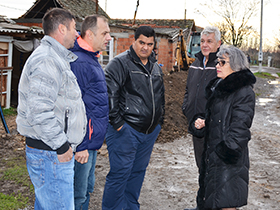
x=264 y=101
x=275 y=82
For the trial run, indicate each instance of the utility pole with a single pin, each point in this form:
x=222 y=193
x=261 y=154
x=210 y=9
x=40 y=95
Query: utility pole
x=261 y=52
x=96 y=6
x=134 y=19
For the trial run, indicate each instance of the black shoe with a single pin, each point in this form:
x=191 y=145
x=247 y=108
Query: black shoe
x=192 y=209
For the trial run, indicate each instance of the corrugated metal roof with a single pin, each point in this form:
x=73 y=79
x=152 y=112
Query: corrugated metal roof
x=19 y=29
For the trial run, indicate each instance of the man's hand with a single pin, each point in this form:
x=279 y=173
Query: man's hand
x=66 y=157
x=119 y=128
x=82 y=156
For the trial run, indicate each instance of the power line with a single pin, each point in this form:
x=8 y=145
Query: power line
x=1 y=5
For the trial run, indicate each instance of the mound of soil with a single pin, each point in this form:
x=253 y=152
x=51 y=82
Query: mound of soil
x=175 y=123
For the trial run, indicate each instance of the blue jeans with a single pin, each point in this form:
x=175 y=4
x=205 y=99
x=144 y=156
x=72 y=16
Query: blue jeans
x=53 y=181
x=129 y=156
x=84 y=179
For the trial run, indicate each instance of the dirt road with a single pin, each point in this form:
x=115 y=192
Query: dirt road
x=171 y=178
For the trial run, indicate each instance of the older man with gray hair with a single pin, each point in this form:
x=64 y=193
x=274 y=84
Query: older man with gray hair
x=200 y=73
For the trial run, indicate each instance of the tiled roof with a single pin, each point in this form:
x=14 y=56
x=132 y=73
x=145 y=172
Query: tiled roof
x=156 y=23
x=169 y=27
x=79 y=8
x=82 y=8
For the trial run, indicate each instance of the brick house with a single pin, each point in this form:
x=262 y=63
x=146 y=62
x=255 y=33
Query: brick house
x=122 y=30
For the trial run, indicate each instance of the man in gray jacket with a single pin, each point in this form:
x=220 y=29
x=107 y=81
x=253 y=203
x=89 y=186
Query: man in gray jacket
x=201 y=72
x=51 y=113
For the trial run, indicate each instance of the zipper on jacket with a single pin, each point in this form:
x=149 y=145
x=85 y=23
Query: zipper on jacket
x=152 y=92
x=66 y=120
x=153 y=105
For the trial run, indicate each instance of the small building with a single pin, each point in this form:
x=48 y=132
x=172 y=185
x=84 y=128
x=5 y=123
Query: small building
x=122 y=30
x=16 y=44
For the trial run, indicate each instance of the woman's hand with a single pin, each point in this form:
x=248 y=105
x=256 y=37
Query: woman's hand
x=199 y=123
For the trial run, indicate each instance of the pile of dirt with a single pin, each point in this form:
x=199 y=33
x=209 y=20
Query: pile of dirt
x=175 y=123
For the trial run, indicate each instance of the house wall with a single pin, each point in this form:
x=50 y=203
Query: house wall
x=6 y=70
x=31 y=24
x=3 y=77
x=123 y=38
x=166 y=54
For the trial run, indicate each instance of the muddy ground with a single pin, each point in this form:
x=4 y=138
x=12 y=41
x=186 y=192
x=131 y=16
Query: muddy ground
x=171 y=178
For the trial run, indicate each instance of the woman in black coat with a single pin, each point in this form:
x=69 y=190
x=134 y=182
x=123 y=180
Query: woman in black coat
x=224 y=174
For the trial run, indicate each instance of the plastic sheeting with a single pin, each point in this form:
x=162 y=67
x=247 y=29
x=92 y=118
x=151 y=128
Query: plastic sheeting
x=26 y=46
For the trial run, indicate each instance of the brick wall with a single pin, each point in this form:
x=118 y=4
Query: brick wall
x=165 y=54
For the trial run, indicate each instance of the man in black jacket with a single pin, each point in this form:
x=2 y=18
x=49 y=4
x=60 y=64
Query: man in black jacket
x=136 y=102
x=200 y=73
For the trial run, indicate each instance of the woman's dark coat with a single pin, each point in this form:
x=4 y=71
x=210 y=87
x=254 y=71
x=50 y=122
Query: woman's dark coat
x=224 y=174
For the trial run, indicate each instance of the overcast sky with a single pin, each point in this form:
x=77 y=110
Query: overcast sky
x=159 y=9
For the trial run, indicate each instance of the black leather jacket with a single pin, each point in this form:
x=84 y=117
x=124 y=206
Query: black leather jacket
x=136 y=95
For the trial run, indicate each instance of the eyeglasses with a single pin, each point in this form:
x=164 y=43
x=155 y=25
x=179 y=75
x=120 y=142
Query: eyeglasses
x=221 y=62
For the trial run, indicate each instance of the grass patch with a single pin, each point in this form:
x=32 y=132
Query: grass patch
x=278 y=74
x=15 y=171
x=264 y=75
x=12 y=202
x=11 y=111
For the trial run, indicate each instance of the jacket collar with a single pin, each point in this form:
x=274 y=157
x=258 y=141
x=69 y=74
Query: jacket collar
x=78 y=48
x=212 y=56
x=59 y=49
x=230 y=84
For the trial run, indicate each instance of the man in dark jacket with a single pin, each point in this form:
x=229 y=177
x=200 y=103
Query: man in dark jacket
x=201 y=72
x=91 y=79
x=136 y=100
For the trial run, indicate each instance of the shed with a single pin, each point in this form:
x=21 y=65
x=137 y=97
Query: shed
x=15 y=43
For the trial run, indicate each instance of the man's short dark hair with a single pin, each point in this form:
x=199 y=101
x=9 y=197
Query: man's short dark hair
x=90 y=22
x=146 y=31
x=54 y=17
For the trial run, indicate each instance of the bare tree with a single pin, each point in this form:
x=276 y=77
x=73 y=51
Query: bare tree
x=234 y=16
x=277 y=41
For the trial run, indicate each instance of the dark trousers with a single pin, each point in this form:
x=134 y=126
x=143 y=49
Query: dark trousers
x=198 y=145
x=129 y=156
